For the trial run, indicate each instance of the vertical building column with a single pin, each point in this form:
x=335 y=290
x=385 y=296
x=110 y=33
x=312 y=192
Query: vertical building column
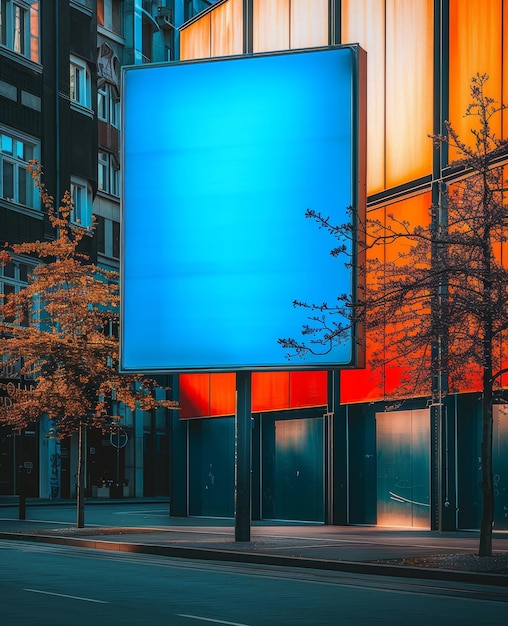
x=442 y=450
x=138 y=454
x=336 y=456
x=133 y=29
x=248 y=29
x=243 y=461
x=334 y=22
x=178 y=458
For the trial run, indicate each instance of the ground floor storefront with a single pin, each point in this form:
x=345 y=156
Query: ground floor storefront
x=360 y=464
x=408 y=465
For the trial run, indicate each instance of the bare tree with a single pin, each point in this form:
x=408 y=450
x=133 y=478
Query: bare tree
x=439 y=303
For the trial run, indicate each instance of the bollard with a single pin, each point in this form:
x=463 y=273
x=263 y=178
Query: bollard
x=22 y=494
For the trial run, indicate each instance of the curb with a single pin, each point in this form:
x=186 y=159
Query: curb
x=210 y=554
x=13 y=501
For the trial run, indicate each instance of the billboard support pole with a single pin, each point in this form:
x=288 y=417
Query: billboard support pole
x=243 y=448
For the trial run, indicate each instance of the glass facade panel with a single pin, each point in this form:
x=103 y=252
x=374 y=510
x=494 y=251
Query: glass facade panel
x=309 y=23
x=227 y=29
x=403 y=470
x=367 y=384
x=500 y=466
x=504 y=117
x=307 y=389
x=476 y=45
x=211 y=467
x=363 y=21
x=222 y=394
x=195 y=40
x=409 y=93
x=7 y=180
x=270 y=390
x=194 y=395
x=271 y=25
x=293 y=469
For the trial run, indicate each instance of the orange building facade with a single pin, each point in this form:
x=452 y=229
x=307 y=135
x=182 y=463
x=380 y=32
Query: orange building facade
x=331 y=446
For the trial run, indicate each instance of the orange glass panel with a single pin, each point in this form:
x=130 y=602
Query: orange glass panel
x=476 y=45
x=222 y=394
x=308 y=389
x=271 y=25
x=415 y=211
x=100 y=12
x=309 y=23
x=363 y=22
x=270 y=391
x=195 y=39
x=505 y=61
x=227 y=28
x=368 y=384
x=194 y=395
x=364 y=385
x=409 y=90
x=34 y=32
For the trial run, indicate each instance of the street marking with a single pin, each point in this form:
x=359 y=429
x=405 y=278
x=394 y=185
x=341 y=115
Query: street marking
x=63 y=595
x=209 y=619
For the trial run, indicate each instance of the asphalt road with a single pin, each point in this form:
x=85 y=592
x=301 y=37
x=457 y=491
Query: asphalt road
x=61 y=585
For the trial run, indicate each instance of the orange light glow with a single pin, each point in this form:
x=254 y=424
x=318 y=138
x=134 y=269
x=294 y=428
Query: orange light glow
x=363 y=21
x=403 y=484
x=476 y=45
x=227 y=29
x=270 y=390
x=398 y=36
x=367 y=384
x=212 y=395
x=195 y=39
x=271 y=25
x=307 y=389
x=194 y=395
x=409 y=103
x=34 y=32
x=504 y=62
x=291 y=434
x=309 y=23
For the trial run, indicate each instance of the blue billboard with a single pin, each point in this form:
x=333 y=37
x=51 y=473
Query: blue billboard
x=221 y=158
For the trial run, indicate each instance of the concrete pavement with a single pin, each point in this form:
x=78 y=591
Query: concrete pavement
x=144 y=526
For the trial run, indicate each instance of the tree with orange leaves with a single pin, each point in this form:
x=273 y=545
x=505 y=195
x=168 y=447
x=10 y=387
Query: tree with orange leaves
x=57 y=328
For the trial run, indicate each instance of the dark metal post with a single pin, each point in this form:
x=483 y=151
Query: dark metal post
x=243 y=447
x=80 y=486
x=22 y=492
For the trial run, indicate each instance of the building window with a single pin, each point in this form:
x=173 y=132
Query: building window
x=19 y=27
x=80 y=83
x=116 y=239
x=108 y=104
x=108 y=237
x=108 y=173
x=109 y=15
x=13 y=278
x=82 y=202
x=16 y=184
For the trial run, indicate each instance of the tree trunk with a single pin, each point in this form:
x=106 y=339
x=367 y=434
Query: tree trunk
x=80 y=499
x=487 y=474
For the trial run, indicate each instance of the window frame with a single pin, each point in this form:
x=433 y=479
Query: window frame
x=28 y=46
x=16 y=282
x=80 y=83
x=108 y=104
x=19 y=164
x=81 y=196
x=108 y=173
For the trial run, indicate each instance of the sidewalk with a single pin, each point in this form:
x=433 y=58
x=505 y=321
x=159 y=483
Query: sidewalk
x=144 y=526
